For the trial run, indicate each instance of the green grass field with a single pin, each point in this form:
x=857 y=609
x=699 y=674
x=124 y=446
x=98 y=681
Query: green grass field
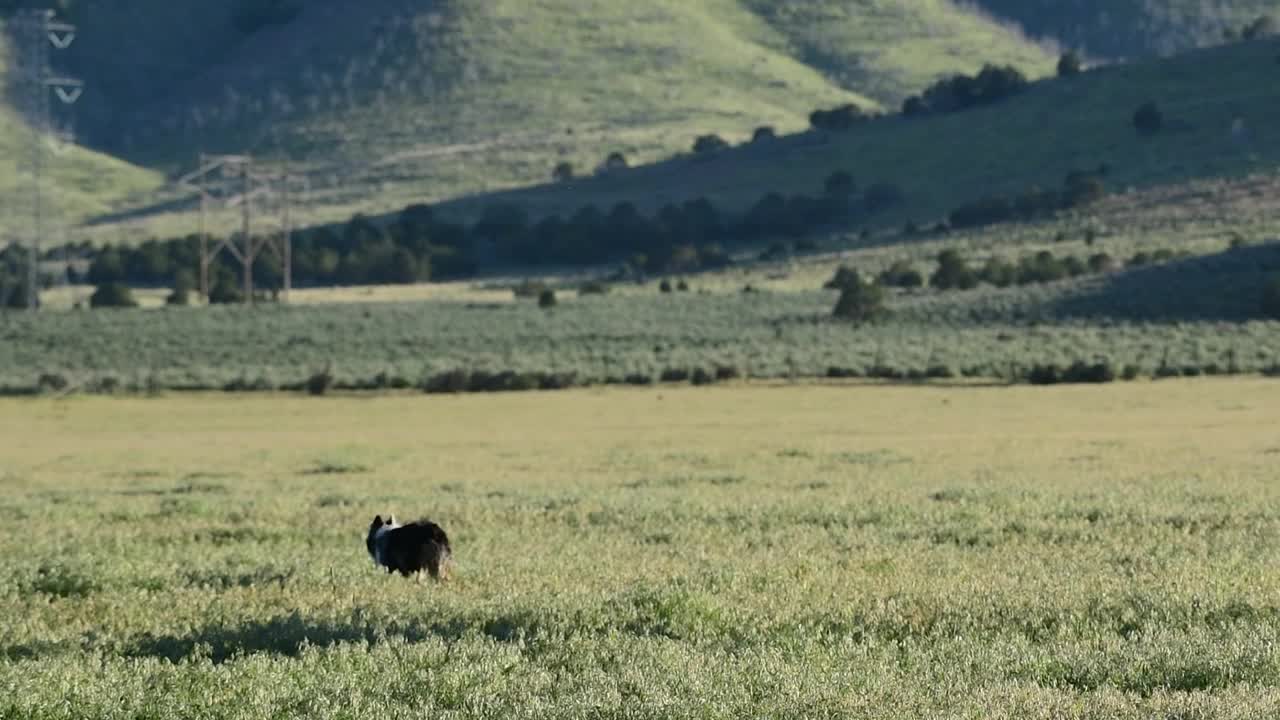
x=738 y=551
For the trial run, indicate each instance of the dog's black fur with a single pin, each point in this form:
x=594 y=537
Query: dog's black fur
x=411 y=548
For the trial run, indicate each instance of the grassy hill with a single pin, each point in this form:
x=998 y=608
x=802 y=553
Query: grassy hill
x=403 y=101
x=79 y=182
x=1034 y=139
x=408 y=101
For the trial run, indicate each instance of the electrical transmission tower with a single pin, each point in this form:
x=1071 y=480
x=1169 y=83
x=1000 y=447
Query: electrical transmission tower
x=231 y=181
x=39 y=33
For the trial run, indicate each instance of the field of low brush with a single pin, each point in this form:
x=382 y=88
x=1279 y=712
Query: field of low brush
x=800 y=551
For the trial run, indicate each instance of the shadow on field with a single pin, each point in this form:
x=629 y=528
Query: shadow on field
x=289 y=635
x=1227 y=286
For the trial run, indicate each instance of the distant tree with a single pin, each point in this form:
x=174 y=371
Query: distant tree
x=107 y=267
x=1082 y=189
x=764 y=134
x=953 y=272
x=225 y=288
x=1101 y=263
x=914 y=106
x=112 y=295
x=614 y=162
x=838 y=119
x=960 y=92
x=547 y=298
x=1069 y=64
x=1147 y=119
x=563 y=172
x=708 y=144
x=860 y=301
x=13 y=290
x=998 y=272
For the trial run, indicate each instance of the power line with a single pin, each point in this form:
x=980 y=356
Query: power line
x=38 y=33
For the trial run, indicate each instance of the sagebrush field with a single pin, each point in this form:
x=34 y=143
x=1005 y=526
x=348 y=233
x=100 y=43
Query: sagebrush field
x=749 y=550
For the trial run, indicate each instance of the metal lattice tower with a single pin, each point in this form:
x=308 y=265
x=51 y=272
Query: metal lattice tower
x=38 y=34
x=232 y=182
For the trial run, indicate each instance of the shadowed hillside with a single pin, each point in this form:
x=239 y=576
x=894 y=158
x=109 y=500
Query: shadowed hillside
x=1131 y=28
x=402 y=100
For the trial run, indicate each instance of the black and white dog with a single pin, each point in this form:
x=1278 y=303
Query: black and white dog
x=409 y=549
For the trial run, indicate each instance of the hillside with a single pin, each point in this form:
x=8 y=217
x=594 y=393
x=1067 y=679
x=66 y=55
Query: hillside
x=1130 y=28
x=79 y=182
x=1034 y=139
x=406 y=100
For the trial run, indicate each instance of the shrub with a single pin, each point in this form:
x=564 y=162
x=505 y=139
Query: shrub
x=708 y=144
x=1139 y=259
x=1082 y=372
x=1082 y=189
x=998 y=272
x=664 y=286
x=953 y=273
x=614 y=162
x=727 y=372
x=860 y=301
x=320 y=382
x=1101 y=263
x=960 y=92
x=1271 y=299
x=837 y=119
x=226 y=289
x=112 y=295
x=52 y=382
x=1147 y=119
x=939 y=372
x=844 y=277
x=547 y=298
x=1042 y=267
x=701 y=377
x=675 y=375
x=563 y=172
x=1069 y=64
x=1044 y=375
x=765 y=133
x=914 y=106
x=453 y=381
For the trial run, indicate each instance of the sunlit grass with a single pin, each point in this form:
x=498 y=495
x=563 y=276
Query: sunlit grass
x=798 y=551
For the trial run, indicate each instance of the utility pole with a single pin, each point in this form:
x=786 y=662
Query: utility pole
x=250 y=252
x=209 y=180
x=233 y=180
x=38 y=31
